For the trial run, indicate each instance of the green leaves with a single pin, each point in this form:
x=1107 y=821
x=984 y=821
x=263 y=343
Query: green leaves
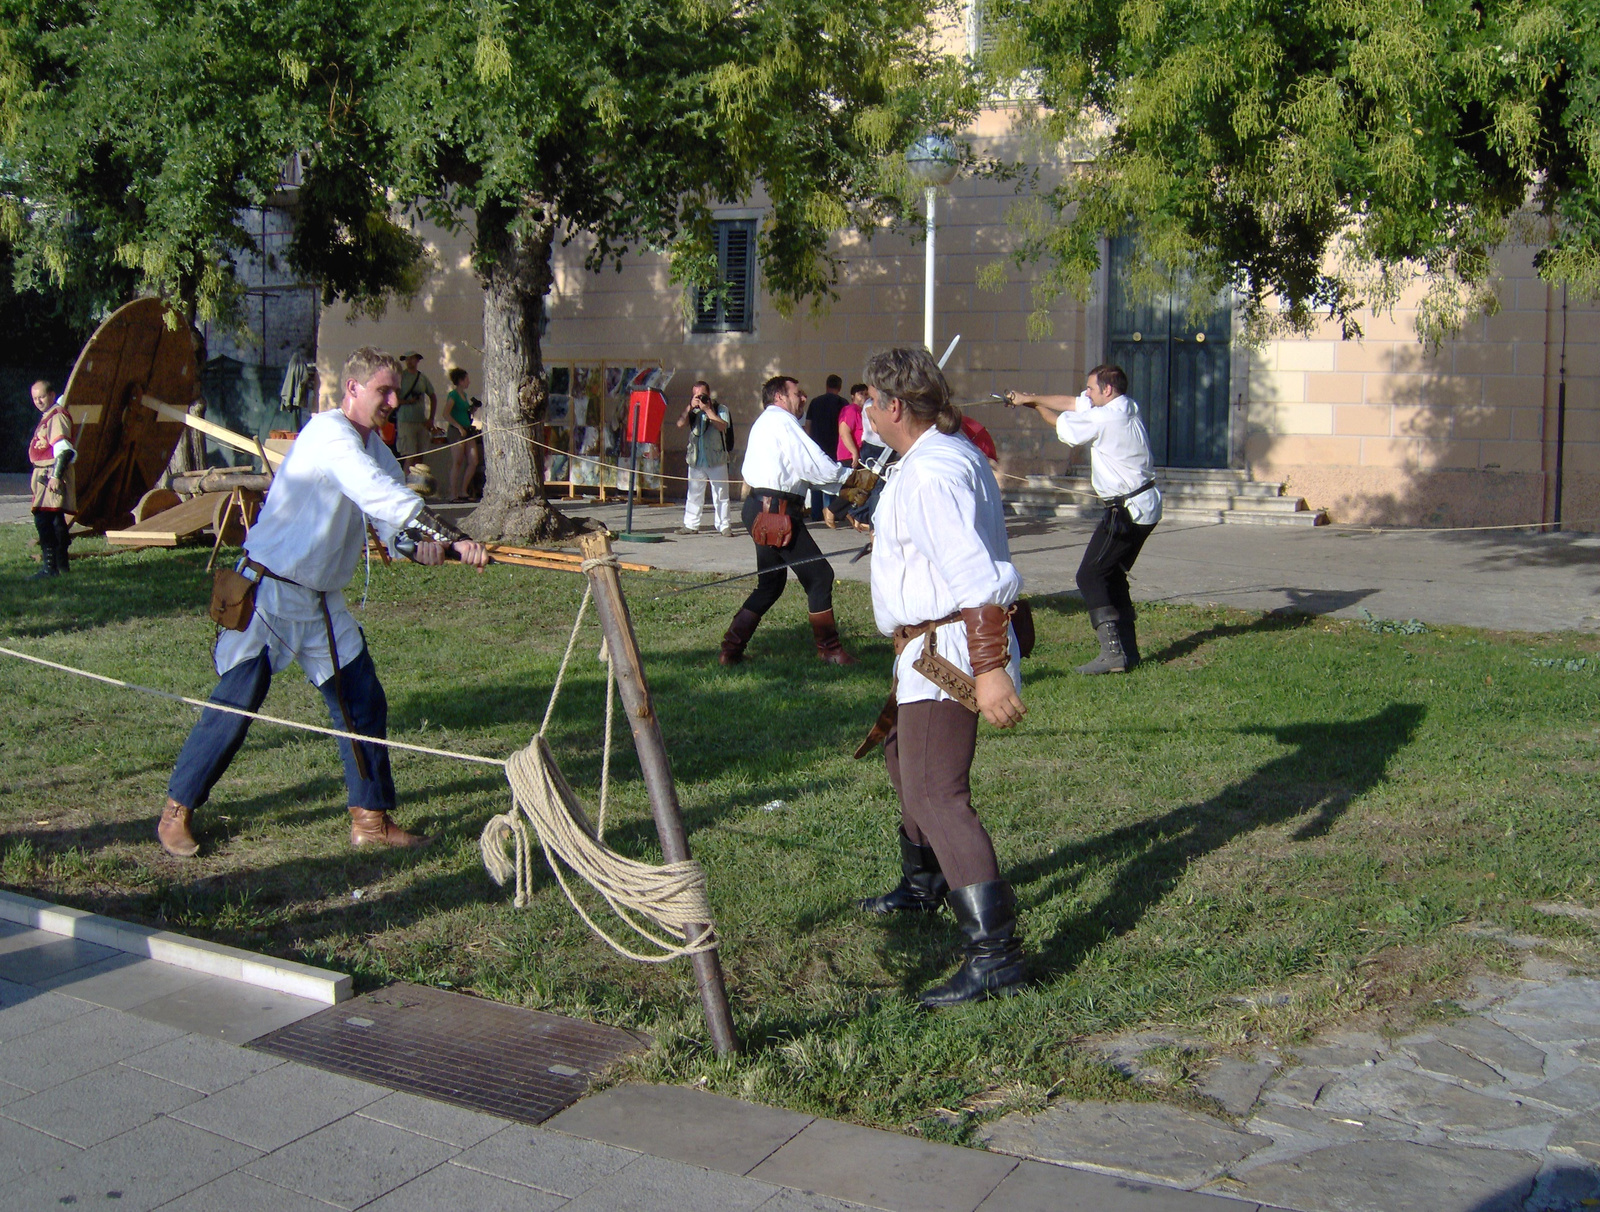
x=1320 y=158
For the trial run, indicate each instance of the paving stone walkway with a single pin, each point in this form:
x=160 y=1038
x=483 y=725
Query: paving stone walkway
x=123 y=1085
x=1497 y=1110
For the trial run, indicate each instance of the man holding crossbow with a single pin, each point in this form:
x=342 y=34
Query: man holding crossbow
x=284 y=602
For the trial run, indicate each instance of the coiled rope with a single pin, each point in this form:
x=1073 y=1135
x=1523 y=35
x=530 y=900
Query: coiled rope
x=672 y=896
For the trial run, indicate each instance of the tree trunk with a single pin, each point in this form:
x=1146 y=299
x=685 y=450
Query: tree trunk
x=514 y=251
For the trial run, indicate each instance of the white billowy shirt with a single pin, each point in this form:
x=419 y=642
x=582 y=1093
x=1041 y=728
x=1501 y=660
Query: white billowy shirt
x=780 y=456
x=869 y=431
x=1119 y=452
x=313 y=530
x=939 y=545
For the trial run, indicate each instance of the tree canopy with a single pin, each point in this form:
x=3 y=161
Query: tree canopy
x=133 y=133
x=1318 y=156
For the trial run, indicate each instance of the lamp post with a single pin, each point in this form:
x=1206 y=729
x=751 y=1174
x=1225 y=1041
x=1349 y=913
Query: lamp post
x=932 y=160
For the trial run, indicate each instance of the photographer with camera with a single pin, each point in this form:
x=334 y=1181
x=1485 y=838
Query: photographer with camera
x=706 y=458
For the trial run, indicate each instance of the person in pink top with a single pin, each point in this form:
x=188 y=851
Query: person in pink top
x=849 y=452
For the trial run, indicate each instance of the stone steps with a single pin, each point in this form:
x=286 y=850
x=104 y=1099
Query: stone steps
x=1188 y=495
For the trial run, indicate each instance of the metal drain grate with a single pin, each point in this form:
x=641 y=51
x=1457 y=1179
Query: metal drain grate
x=505 y=1060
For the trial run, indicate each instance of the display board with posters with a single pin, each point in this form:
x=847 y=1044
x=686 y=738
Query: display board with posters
x=584 y=430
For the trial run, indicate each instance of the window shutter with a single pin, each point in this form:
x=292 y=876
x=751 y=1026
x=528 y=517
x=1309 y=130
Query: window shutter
x=736 y=265
x=734 y=310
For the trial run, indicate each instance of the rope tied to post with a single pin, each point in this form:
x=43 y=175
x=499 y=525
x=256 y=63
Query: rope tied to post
x=671 y=897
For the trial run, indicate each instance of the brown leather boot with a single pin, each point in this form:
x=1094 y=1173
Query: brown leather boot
x=737 y=636
x=174 y=833
x=827 y=636
x=372 y=827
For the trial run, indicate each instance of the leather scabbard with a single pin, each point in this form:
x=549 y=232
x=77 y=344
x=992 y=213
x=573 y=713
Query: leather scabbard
x=882 y=726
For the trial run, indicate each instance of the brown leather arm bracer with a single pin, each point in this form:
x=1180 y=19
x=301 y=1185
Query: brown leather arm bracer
x=988 y=638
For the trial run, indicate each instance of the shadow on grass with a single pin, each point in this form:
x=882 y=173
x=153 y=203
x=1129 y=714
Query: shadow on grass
x=101 y=592
x=1291 y=618
x=1329 y=767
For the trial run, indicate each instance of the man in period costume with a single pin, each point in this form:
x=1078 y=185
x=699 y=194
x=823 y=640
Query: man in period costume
x=300 y=555
x=52 y=485
x=1122 y=471
x=780 y=461
x=944 y=587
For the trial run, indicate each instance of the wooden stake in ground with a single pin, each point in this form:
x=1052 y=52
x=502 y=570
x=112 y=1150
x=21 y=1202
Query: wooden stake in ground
x=617 y=626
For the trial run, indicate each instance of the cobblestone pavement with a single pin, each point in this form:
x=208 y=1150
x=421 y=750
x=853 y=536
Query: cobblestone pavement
x=123 y=1085
x=1497 y=1110
x=1505 y=580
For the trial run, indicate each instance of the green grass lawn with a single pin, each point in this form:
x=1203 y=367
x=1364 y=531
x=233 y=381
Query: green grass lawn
x=1307 y=808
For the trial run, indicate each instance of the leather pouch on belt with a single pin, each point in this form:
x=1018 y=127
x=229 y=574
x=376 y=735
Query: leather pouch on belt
x=233 y=600
x=1022 y=624
x=772 y=527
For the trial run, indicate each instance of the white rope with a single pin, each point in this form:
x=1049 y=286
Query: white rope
x=672 y=897
x=254 y=715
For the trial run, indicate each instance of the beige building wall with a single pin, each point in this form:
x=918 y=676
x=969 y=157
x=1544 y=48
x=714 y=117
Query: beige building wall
x=1385 y=431
x=1378 y=431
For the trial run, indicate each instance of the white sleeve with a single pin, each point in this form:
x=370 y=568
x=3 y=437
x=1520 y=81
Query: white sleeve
x=375 y=484
x=816 y=467
x=939 y=524
x=1077 y=428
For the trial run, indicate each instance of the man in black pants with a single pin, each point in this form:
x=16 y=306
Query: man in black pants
x=1105 y=420
x=780 y=461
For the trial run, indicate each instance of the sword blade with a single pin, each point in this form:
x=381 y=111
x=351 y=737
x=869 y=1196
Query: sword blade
x=745 y=576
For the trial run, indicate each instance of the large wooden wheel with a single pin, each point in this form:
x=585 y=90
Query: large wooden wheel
x=143 y=349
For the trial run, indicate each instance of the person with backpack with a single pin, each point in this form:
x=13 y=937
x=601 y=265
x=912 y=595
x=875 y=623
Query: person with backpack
x=710 y=439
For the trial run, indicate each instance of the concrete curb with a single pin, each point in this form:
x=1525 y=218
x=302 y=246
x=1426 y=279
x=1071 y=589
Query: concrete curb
x=213 y=959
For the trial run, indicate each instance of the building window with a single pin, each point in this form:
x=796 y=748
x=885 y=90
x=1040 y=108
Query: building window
x=731 y=308
x=982 y=36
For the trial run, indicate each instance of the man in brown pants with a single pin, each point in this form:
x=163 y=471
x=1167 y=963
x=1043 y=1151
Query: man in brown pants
x=943 y=585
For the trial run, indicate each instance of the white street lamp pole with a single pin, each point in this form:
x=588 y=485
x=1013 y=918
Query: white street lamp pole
x=929 y=194
x=932 y=160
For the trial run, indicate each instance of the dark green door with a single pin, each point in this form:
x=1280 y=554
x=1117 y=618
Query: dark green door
x=1177 y=370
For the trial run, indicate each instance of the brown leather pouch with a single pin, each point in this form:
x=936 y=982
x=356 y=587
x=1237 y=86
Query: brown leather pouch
x=233 y=600
x=773 y=527
x=1022 y=624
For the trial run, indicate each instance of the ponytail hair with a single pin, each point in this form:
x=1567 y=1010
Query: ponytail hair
x=911 y=376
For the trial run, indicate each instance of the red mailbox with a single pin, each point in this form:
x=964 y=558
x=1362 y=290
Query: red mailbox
x=646 y=411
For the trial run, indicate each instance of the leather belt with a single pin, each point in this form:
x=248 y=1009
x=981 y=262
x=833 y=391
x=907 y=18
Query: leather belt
x=1128 y=496
x=904 y=635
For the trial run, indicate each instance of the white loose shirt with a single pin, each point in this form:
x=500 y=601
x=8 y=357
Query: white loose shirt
x=313 y=530
x=781 y=457
x=1119 y=452
x=939 y=546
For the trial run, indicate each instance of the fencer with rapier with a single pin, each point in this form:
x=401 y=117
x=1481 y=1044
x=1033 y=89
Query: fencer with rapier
x=780 y=461
x=1122 y=472
x=284 y=602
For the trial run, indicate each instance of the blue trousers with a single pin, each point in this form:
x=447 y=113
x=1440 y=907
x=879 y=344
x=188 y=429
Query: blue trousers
x=216 y=738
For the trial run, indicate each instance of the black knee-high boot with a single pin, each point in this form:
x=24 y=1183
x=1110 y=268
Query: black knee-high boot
x=922 y=885
x=63 y=543
x=992 y=964
x=44 y=523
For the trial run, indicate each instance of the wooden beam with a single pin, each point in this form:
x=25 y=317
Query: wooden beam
x=211 y=429
x=623 y=646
